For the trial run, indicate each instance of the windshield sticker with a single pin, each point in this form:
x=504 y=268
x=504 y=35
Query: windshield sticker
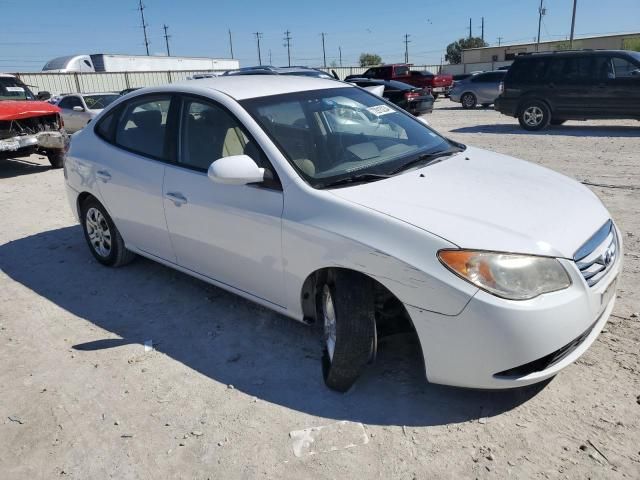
x=379 y=110
x=14 y=89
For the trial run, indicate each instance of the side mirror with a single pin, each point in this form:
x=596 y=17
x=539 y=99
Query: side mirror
x=235 y=170
x=43 y=96
x=78 y=109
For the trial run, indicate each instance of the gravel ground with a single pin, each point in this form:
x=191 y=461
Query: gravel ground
x=227 y=381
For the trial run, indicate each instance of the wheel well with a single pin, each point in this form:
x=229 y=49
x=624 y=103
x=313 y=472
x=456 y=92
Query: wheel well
x=83 y=197
x=391 y=315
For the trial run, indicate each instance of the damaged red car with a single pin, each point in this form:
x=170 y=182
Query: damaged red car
x=29 y=125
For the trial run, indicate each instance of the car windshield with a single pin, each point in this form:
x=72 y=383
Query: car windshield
x=13 y=89
x=98 y=102
x=335 y=134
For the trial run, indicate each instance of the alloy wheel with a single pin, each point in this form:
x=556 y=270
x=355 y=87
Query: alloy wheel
x=533 y=116
x=329 y=319
x=98 y=232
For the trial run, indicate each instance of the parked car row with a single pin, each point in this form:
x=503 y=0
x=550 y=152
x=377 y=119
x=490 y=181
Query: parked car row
x=438 y=84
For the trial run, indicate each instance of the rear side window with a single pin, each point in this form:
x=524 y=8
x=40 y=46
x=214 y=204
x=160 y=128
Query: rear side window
x=402 y=71
x=142 y=126
x=528 y=71
x=572 y=70
x=105 y=127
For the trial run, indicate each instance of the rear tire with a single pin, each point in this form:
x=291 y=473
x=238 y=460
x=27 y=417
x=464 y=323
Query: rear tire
x=102 y=236
x=56 y=159
x=468 y=101
x=345 y=304
x=534 y=115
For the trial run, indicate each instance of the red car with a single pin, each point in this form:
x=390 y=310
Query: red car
x=28 y=125
x=401 y=72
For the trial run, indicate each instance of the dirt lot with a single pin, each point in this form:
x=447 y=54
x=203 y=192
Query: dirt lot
x=227 y=381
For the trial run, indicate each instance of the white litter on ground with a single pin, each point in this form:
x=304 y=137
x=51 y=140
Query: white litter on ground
x=328 y=438
x=148 y=345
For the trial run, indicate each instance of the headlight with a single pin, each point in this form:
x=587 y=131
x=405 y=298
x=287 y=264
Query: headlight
x=507 y=275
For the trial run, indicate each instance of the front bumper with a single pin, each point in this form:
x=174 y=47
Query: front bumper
x=22 y=145
x=495 y=343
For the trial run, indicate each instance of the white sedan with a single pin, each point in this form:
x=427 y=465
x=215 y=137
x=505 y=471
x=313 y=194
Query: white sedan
x=330 y=205
x=79 y=109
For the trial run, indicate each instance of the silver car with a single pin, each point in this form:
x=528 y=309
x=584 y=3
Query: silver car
x=78 y=109
x=482 y=88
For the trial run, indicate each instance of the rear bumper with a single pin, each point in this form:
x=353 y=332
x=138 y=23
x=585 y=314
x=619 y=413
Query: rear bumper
x=506 y=106
x=495 y=343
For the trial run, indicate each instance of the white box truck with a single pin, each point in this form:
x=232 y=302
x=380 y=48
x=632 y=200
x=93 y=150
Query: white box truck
x=105 y=62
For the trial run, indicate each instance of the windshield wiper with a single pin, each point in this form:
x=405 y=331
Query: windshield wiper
x=361 y=177
x=428 y=158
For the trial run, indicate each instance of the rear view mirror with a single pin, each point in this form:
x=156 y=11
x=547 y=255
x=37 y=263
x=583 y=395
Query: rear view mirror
x=235 y=170
x=44 y=95
x=78 y=109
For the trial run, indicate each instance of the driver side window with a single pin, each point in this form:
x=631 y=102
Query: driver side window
x=208 y=132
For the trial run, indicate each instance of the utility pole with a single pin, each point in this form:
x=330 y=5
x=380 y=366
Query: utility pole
x=499 y=41
x=541 y=12
x=406 y=47
x=470 y=31
x=230 y=43
x=324 y=55
x=166 y=39
x=258 y=36
x=141 y=8
x=482 y=36
x=340 y=52
x=573 y=23
x=287 y=38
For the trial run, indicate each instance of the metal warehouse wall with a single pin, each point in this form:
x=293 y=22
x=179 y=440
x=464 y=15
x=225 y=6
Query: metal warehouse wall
x=88 y=82
x=58 y=83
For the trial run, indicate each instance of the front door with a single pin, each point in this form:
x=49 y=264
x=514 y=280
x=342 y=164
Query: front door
x=624 y=86
x=131 y=171
x=229 y=233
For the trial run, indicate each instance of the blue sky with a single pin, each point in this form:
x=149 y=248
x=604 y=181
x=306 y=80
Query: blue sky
x=199 y=27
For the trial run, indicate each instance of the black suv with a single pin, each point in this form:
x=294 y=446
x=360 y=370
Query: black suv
x=545 y=88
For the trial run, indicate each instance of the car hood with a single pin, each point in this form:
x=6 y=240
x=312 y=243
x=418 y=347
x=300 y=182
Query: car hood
x=19 y=109
x=483 y=200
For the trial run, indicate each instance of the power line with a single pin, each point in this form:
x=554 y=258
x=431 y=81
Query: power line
x=406 y=47
x=258 y=37
x=166 y=39
x=324 y=54
x=230 y=43
x=287 y=39
x=141 y=7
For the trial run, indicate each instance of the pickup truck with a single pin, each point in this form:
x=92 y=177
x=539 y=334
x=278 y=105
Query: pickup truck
x=29 y=125
x=402 y=72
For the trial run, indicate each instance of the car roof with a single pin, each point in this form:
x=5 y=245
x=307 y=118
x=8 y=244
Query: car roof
x=241 y=87
x=386 y=83
x=569 y=53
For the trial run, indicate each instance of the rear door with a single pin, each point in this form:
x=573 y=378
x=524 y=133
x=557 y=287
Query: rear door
x=131 y=170
x=573 y=88
x=485 y=86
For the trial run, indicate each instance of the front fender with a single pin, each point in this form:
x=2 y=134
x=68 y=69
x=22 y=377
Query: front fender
x=327 y=231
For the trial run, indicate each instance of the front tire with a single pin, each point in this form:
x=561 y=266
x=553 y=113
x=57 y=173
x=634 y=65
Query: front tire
x=468 y=101
x=56 y=159
x=534 y=115
x=347 y=310
x=102 y=236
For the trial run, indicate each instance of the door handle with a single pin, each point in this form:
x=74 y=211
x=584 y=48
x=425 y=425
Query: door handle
x=177 y=198
x=103 y=175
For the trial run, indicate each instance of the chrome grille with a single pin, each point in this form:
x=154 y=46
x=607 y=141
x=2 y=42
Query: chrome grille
x=596 y=257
